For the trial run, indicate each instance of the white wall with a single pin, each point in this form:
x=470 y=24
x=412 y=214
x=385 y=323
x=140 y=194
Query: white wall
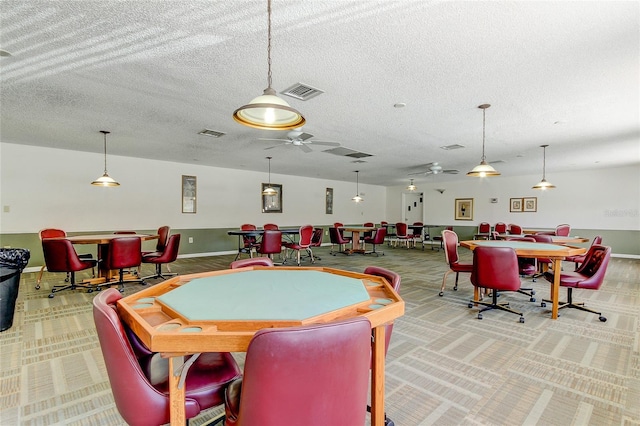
x=43 y=187
x=599 y=199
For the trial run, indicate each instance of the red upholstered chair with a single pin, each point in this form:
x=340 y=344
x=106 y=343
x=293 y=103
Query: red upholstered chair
x=249 y=242
x=303 y=243
x=416 y=233
x=57 y=233
x=341 y=231
x=500 y=228
x=254 y=261
x=563 y=230
x=589 y=276
x=336 y=238
x=270 y=244
x=450 y=240
x=168 y=255
x=495 y=268
x=514 y=229
x=527 y=267
x=316 y=241
x=376 y=240
x=313 y=375
x=484 y=231
x=366 y=234
x=123 y=253
x=270 y=227
x=402 y=235
x=161 y=243
x=139 y=378
x=578 y=259
x=60 y=256
x=542 y=263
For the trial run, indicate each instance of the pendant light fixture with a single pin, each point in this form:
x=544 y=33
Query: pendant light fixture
x=268 y=111
x=543 y=184
x=411 y=186
x=105 y=179
x=269 y=190
x=483 y=169
x=357 y=198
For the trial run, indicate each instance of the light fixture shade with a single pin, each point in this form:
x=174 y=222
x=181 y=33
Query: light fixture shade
x=357 y=198
x=269 y=112
x=543 y=185
x=105 y=180
x=482 y=170
x=411 y=186
x=269 y=190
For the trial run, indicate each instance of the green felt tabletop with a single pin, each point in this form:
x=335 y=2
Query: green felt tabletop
x=265 y=295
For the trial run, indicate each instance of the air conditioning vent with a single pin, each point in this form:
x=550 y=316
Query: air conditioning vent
x=346 y=152
x=302 y=91
x=451 y=147
x=211 y=133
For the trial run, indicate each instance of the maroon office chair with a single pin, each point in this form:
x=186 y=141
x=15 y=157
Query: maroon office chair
x=589 y=276
x=578 y=259
x=60 y=256
x=375 y=240
x=316 y=241
x=270 y=244
x=450 y=240
x=58 y=233
x=161 y=243
x=336 y=238
x=139 y=378
x=495 y=268
x=402 y=235
x=123 y=253
x=168 y=255
x=514 y=229
x=249 y=242
x=527 y=267
x=563 y=230
x=394 y=279
x=339 y=225
x=254 y=261
x=500 y=228
x=313 y=375
x=270 y=227
x=366 y=234
x=303 y=243
x=542 y=264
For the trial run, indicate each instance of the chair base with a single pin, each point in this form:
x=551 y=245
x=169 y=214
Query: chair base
x=494 y=305
x=377 y=253
x=387 y=420
x=71 y=286
x=569 y=304
x=160 y=274
x=528 y=292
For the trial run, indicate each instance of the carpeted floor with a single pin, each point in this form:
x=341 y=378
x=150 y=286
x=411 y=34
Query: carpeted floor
x=444 y=366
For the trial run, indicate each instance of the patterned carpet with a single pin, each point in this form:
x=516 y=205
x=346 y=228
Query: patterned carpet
x=444 y=366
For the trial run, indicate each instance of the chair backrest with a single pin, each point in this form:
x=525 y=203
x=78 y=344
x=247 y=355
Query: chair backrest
x=336 y=237
x=316 y=239
x=379 y=236
x=594 y=267
x=270 y=227
x=310 y=375
x=563 y=230
x=417 y=231
x=248 y=240
x=395 y=281
x=163 y=236
x=401 y=229
x=496 y=268
x=338 y=225
x=366 y=234
x=271 y=242
x=514 y=229
x=170 y=252
x=123 y=252
x=61 y=256
x=484 y=228
x=306 y=232
x=247 y=227
x=51 y=233
x=543 y=238
x=253 y=261
x=383 y=223
x=500 y=228
x=450 y=242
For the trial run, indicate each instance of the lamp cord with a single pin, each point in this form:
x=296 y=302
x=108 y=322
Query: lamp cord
x=269 y=43
x=483 y=126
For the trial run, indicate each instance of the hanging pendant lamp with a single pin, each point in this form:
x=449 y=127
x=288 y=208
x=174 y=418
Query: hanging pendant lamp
x=269 y=190
x=543 y=184
x=357 y=198
x=105 y=179
x=483 y=169
x=268 y=111
x=411 y=186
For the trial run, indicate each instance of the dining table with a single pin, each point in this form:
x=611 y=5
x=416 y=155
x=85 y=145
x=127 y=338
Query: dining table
x=355 y=237
x=556 y=239
x=220 y=311
x=555 y=252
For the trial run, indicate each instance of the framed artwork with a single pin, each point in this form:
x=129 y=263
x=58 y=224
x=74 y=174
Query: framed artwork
x=189 y=190
x=530 y=204
x=515 y=204
x=464 y=209
x=272 y=203
x=328 y=201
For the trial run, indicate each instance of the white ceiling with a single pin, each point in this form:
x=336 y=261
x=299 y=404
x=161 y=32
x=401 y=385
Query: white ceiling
x=155 y=73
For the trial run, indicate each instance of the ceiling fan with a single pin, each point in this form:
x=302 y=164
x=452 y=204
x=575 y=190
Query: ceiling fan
x=300 y=139
x=435 y=169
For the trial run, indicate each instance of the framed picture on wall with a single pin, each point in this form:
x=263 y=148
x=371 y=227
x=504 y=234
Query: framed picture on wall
x=272 y=203
x=530 y=204
x=515 y=204
x=189 y=190
x=328 y=202
x=464 y=209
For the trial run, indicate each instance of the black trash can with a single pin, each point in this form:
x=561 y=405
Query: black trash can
x=12 y=263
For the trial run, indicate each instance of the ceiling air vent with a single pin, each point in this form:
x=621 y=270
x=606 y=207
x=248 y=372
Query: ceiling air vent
x=211 y=133
x=496 y=162
x=451 y=147
x=302 y=91
x=346 y=152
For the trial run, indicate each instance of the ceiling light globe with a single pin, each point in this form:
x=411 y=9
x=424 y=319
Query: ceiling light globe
x=543 y=185
x=269 y=112
x=105 y=180
x=482 y=170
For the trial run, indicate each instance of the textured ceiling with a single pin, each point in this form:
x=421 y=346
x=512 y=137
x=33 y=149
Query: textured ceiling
x=155 y=73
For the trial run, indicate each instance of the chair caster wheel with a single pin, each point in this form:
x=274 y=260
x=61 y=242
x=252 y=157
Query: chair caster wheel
x=455 y=288
x=98 y=288
x=522 y=320
x=90 y=290
x=603 y=319
x=51 y=296
x=470 y=305
x=121 y=290
x=479 y=316
x=533 y=299
x=543 y=305
x=38 y=287
x=441 y=294
x=533 y=292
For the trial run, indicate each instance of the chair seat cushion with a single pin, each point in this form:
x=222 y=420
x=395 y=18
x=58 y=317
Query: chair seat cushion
x=568 y=279
x=462 y=267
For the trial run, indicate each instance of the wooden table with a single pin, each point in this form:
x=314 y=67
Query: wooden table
x=191 y=314
x=556 y=239
x=555 y=252
x=103 y=240
x=355 y=237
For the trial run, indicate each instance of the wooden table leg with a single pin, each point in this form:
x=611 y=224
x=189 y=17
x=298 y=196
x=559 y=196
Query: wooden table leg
x=555 y=287
x=176 y=393
x=377 y=376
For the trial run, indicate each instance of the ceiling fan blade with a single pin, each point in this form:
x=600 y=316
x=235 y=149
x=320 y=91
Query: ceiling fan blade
x=325 y=143
x=451 y=172
x=304 y=136
x=278 y=140
x=428 y=172
x=305 y=148
x=271 y=147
